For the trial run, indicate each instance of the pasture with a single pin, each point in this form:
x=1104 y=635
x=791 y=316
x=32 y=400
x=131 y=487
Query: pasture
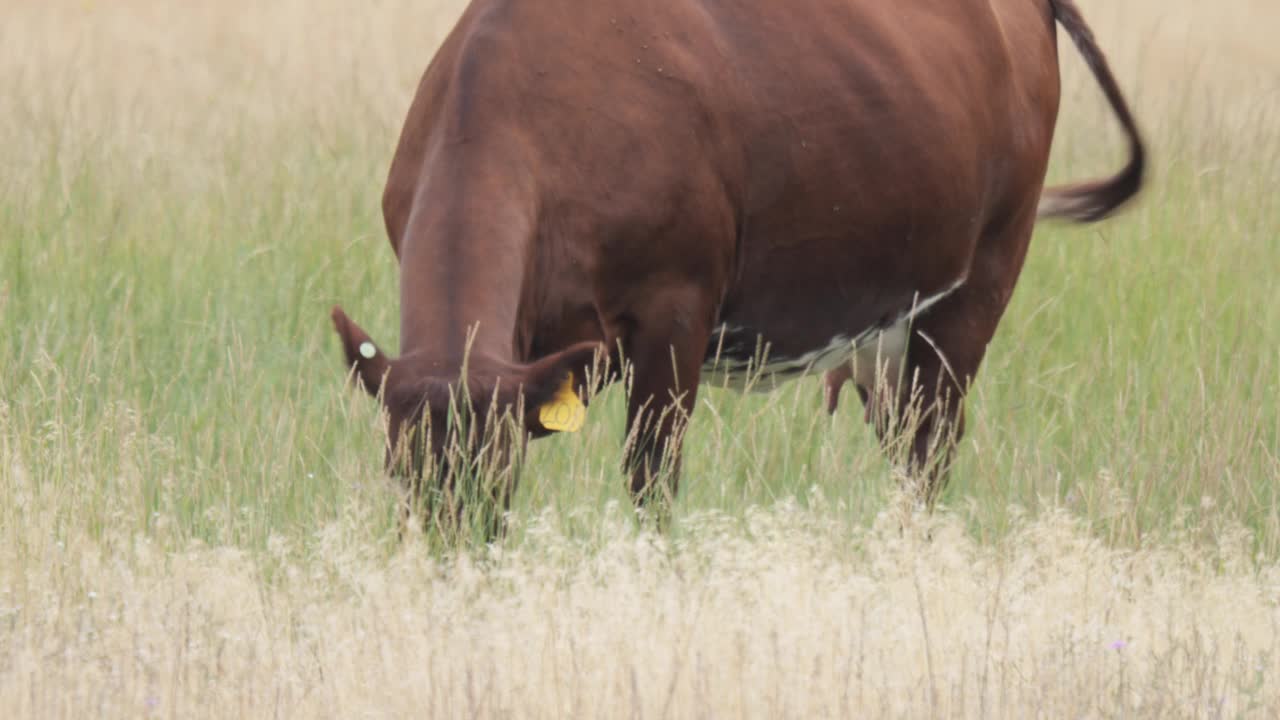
x=194 y=519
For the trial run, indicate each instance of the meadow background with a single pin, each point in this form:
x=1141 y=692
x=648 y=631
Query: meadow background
x=194 y=520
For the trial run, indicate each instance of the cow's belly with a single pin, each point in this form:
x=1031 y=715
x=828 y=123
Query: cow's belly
x=741 y=358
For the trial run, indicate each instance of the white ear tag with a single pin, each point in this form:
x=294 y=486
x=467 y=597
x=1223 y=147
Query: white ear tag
x=368 y=351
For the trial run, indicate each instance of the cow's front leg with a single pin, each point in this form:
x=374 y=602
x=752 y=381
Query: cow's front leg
x=665 y=347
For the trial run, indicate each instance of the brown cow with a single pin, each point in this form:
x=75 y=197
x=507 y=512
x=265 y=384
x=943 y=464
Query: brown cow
x=680 y=183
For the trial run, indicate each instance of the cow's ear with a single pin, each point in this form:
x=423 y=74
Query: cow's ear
x=363 y=354
x=557 y=388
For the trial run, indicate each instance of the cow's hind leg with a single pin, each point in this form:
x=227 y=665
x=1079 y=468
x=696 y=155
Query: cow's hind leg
x=665 y=348
x=944 y=350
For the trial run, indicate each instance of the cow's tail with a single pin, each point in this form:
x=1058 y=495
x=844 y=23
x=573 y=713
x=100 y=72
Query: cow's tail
x=1090 y=201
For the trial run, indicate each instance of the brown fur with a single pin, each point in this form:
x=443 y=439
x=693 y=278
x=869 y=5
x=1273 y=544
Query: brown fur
x=575 y=178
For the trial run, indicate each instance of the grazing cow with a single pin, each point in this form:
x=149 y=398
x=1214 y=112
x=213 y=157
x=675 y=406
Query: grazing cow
x=679 y=183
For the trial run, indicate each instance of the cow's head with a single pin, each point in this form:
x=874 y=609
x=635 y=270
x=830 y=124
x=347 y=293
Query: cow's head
x=434 y=421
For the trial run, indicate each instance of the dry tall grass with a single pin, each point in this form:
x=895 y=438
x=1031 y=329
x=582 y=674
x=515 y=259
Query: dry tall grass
x=126 y=593
x=789 y=617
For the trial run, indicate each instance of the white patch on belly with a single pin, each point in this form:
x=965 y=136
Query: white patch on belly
x=882 y=347
x=880 y=358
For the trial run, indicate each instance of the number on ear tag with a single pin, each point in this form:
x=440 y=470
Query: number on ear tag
x=564 y=412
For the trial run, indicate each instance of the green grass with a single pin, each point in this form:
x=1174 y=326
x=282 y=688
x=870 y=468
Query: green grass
x=168 y=367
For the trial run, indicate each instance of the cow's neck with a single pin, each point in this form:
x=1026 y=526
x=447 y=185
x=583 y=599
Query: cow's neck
x=463 y=267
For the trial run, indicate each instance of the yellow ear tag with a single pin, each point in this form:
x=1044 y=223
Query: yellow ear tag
x=564 y=412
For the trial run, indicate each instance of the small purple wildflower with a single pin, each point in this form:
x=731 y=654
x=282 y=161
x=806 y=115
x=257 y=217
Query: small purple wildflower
x=1119 y=645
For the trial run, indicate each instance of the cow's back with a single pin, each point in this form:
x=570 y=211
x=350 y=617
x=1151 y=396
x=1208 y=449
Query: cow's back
x=840 y=155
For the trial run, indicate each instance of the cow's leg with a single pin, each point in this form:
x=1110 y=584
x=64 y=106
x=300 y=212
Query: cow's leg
x=924 y=416
x=666 y=348
x=876 y=372
x=833 y=381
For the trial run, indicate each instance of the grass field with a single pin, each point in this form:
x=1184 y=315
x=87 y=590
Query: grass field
x=194 y=520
